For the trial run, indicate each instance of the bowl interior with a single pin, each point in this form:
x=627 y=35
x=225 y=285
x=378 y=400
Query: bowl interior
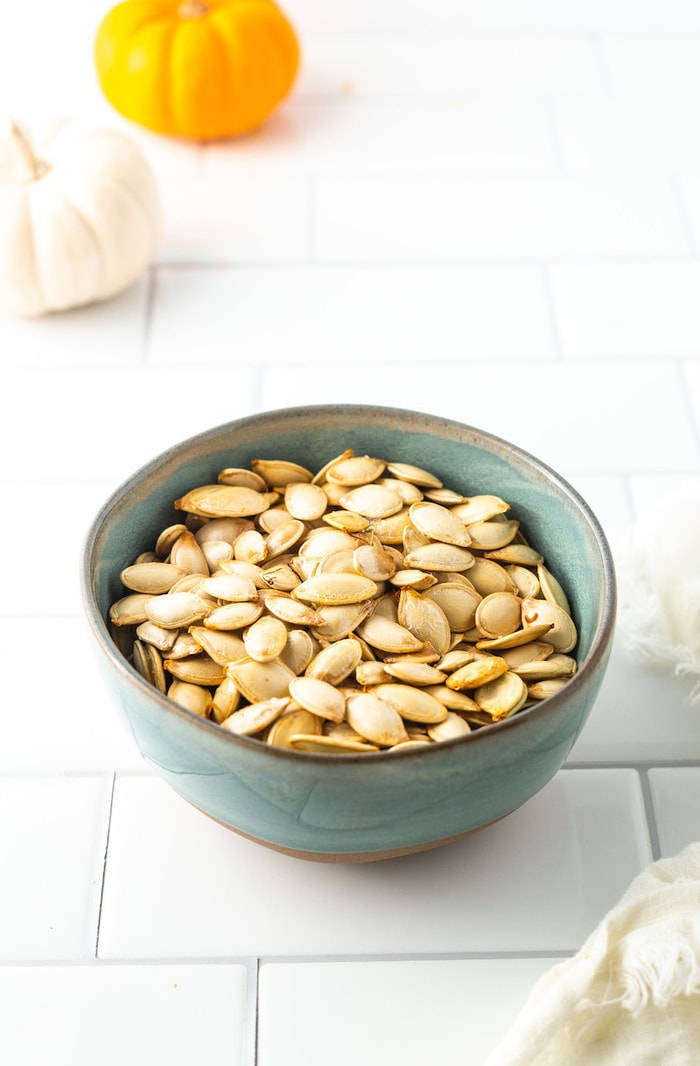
x=552 y=515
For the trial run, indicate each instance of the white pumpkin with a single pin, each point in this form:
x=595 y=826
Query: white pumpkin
x=79 y=215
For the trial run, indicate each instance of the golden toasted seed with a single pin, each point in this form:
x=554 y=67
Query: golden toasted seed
x=372 y=501
x=452 y=727
x=516 y=639
x=457 y=603
x=283 y=537
x=326 y=589
x=187 y=554
x=280 y=472
x=162 y=639
x=216 y=552
x=498 y=615
x=501 y=697
x=562 y=635
x=176 y=610
x=480 y=671
x=193 y=698
x=305 y=501
x=225 y=700
x=197 y=669
x=372 y=673
x=250 y=547
x=291 y=610
x=519 y=554
x=412 y=703
x=413 y=579
x=298 y=651
x=404 y=489
x=167 y=538
x=439 y=523
x=525 y=581
x=240 y=568
x=292 y=722
x=184 y=645
x=534 y=651
x=390 y=530
x=223 y=501
x=265 y=639
x=151 y=577
x=375 y=719
x=330 y=745
x=130 y=610
x=336 y=662
x=234 y=588
x=415 y=474
x=452 y=699
x=148 y=663
x=340 y=620
x=274 y=517
x=491 y=535
x=319 y=697
x=487 y=576
x=320 y=476
x=321 y=542
x=221 y=646
x=236 y=475
x=355 y=470
x=556 y=666
x=234 y=615
x=281 y=577
x=349 y=521
x=255 y=717
x=374 y=562
x=551 y=589
x=226 y=529
x=542 y=690
x=413 y=673
x=425 y=619
x=480 y=508
x=261 y=681
x=436 y=556
x=386 y=635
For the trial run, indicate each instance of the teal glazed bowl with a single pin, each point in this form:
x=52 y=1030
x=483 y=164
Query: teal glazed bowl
x=357 y=807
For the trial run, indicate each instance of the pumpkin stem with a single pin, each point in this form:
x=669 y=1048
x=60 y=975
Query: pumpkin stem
x=36 y=168
x=192 y=9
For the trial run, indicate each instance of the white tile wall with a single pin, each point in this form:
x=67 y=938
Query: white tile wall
x=489 y=211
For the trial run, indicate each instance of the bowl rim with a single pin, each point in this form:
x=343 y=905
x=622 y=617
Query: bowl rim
x=503 y=448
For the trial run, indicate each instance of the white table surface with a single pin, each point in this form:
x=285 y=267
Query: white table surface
x=485 y=210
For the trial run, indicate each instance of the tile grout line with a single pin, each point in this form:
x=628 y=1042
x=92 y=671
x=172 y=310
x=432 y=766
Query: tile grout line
x=550 y=302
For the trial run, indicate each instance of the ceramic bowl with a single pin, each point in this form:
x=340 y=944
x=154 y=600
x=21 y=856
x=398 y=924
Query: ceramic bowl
x=357 y=807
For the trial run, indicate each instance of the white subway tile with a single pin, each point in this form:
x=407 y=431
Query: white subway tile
x=691 y=375
x=659 y=64
x=645 y=489
x=635 y=135
x=642 y=713
x=385 y=67
x=572 y=419
x=235 y=221
x=414 y=217
x=175 y=1013
x=463 y=1005
x=627 y=310
x=72 y=723
x=571 y=850
x=104 y=424
x=52 y=837
x=102 y=334
x=676 y=799
x=392 y=136
x=689 y=193
x=393 y=314
x=368 y=16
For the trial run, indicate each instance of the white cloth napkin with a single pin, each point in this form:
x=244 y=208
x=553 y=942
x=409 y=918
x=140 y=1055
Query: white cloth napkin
x=660 y=587
x=631 y=995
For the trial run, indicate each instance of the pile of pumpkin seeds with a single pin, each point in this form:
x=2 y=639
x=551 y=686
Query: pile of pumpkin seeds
x=363 y=608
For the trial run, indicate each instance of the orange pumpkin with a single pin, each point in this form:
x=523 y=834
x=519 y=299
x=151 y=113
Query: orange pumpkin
x=202 y=69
